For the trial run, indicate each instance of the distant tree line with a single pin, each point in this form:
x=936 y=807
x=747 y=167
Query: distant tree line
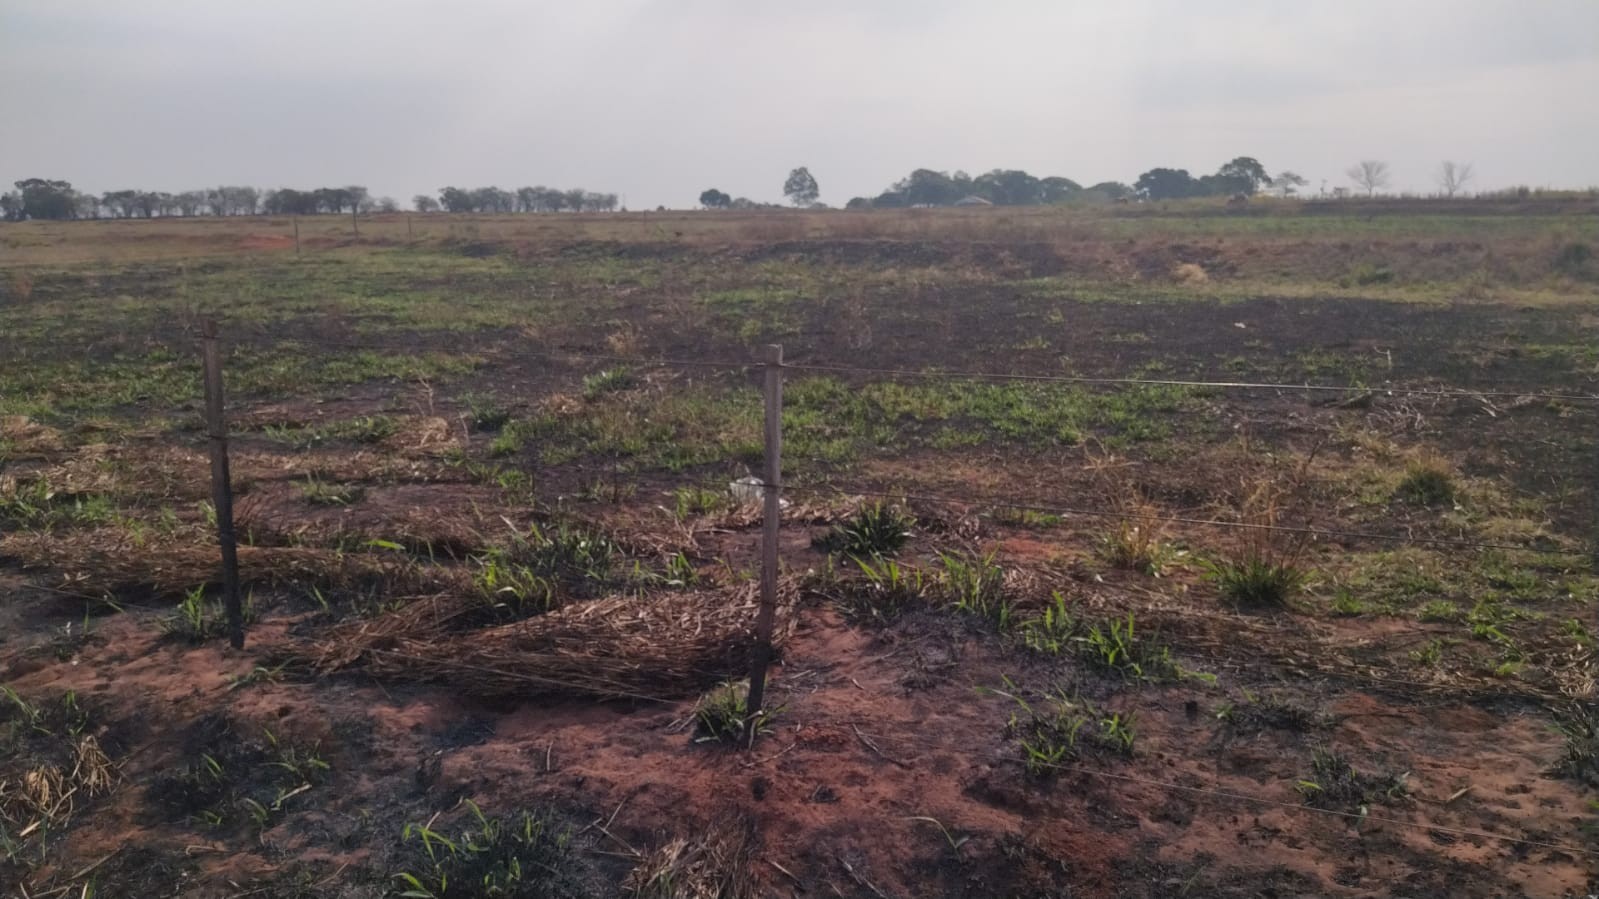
x=42 y=198
x=523 y=199
x=1014 y=187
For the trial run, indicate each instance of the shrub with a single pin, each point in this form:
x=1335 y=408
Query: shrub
x=1573 y=258
x=1252 y=579
x=886 y=591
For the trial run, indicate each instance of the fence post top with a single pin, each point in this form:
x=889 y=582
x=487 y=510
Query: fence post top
x=774 y=354
x=208 y=328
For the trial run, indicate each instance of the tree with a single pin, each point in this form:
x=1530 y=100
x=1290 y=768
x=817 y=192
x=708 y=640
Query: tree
x=424 y=203
x=1111 y=190
x=1369 y=174
x=189 y=202
x=1057 y=189
x=1009 y=187
x=1166 y=184
x=11 y=206
x=1453 y=176
x=387 y=204
x=1288 y=183
x=800 y=188
x=1244 y=175
x=46 y=199
x=711 y=198
x=454 y=199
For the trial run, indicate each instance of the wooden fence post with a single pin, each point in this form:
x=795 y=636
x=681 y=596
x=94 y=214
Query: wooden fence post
x=296 y=235
x=355 y=221
x=221 y=484
x=409 y=234
x=761 y=657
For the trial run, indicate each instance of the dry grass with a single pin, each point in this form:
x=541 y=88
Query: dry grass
x=110 y=561
x=622 y=646
x=713 y=865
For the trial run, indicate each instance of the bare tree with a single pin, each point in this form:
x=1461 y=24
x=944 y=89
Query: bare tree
x=1453 y=176
x=1370 y=174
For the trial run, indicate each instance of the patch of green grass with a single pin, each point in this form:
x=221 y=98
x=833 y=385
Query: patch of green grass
x=688 y=502
x=323 y=493
x=1060 y=729
x=1333 y=783
x=723 y=715
x=1052 y=631
x=484 y=412
x=885 y=591
x=1347 y=605
x=1427 y=483
x=196 y=620
x=1440 y=610
x=1026 y=518
x=611 y=380
x=976 y=587
x=524 y=855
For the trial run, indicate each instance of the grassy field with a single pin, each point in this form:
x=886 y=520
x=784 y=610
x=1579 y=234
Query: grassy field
x=1039 y=637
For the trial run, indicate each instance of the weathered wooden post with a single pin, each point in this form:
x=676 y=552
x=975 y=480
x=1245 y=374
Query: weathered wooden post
x=761 y=657
x=296 y=235
x=221 y=484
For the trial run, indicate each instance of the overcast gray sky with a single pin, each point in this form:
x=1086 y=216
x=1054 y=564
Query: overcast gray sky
x=659 y=99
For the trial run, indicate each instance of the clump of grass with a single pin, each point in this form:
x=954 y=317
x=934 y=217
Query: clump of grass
x=232 y=781
x=977 y=587
x=1135 y=546
x=1573 y=258
x=1052 y=631
x=525 y=855
x=1266 y=569
x=318 y=492
x=1063 y=729
x=880 y=529
x=484 y=412
x=1579 y=725
x=611 y=380
x=1026 y=518
x=1366 y=274
x=1333 y=783
x=1347 y=605
x=1258 y=713
x=1439 y=610
x=1253 y=580
x=885 y=591
x=1115 y=647
x=196 y=620
x=723 y=715
x=690 y=501
x=1427 y=482
x=367 y=429
x=1431 y=655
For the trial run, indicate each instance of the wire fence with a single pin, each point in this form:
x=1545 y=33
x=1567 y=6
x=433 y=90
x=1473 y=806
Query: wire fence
x=829 y=489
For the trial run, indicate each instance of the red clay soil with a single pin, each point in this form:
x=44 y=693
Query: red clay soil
x=880 y=730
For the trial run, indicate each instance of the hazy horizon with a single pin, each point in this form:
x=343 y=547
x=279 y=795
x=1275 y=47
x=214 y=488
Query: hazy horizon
x=658 y=101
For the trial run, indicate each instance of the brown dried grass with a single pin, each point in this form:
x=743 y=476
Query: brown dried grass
x=714 y=865
x=621 y=646
x=102 y=561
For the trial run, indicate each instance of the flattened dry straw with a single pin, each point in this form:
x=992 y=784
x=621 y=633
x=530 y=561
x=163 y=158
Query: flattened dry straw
x=623 y=646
